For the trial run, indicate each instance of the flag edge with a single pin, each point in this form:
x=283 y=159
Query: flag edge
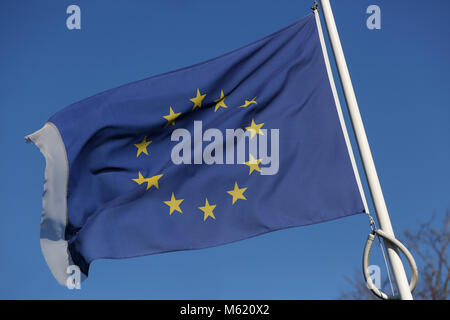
x=339 y=112
x=54 y=217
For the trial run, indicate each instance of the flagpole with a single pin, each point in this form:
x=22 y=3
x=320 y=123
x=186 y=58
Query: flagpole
x=365 y=153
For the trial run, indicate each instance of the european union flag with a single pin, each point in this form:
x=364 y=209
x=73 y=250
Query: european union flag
x=247 y=143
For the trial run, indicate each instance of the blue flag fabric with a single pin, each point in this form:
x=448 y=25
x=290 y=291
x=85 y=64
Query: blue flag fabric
x=234 y=147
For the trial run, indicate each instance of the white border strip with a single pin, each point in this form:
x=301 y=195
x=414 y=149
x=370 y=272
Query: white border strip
x=339 y=110
x=54 y=201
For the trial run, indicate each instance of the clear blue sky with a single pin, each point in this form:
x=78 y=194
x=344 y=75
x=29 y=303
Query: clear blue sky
x=400 y=75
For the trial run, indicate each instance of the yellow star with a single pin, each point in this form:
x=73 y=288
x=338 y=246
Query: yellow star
x=220 y=102
x=255 y=129
x=237 y=193
x=247 y=103
x=174 y=204
x=171 y=117
x=139 y=180
x=253 y=164
x=142 y=147
x=152 y=181
x=208 y=210
x=198 y=100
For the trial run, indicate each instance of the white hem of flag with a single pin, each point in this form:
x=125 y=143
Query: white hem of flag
x=54 y=217
x=339 y=111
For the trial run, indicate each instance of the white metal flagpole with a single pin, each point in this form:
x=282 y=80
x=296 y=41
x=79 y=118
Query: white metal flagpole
x=364 y=150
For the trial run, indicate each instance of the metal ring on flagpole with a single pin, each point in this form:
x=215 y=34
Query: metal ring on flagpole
x=402 y=248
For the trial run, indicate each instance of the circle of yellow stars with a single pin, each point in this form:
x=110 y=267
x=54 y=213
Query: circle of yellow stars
x=237 y=193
